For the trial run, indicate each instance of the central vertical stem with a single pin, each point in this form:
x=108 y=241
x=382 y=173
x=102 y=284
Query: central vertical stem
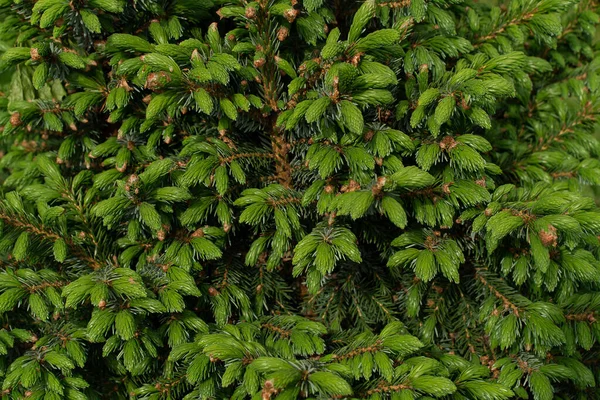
x=269 y=74
x=283 y=169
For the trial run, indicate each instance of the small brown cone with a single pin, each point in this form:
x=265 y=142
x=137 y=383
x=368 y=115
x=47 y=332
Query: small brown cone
x=549 y=238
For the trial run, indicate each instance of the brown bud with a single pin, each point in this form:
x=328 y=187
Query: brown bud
x=291 y=14
x=102 y=304
x=133 y=179
x=198 y=233
x=268 y=390
x=356 y=59
x=156 y=80
x=448 y=143
x=282 y=33
x=196 y=55
x=259 y=63
x=331 y=219
x=549 y=238
x=121 y=168
x=15 y=119
x=35 y=55
x=123 y=83
x=250 y=13
x=213 y=292
x=446 y=187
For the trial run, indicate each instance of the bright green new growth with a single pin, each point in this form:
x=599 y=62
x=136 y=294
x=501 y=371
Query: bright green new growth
x=299 y=199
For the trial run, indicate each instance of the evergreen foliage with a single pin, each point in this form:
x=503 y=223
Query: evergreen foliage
x=282 y=199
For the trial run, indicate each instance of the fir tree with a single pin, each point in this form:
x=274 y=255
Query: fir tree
x=288 y=199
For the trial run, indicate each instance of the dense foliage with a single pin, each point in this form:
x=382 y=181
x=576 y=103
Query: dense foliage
x=281 y=199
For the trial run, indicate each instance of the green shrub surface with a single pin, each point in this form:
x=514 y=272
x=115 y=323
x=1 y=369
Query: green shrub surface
x=299 y=199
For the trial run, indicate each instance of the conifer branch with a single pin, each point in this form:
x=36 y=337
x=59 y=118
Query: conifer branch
x=237 y=156
x=383 y=387
x=590 y=317
x=586 y=115
x=280 y=331
x=505 y=301
x=522 y=19
x=268 y=71
x=396 y=4
x=75 y=249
